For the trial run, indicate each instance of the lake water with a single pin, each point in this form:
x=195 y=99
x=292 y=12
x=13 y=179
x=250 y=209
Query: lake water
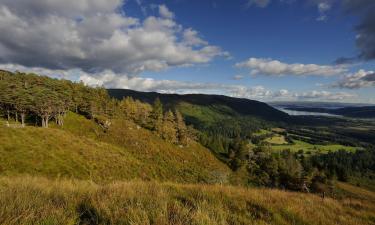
x=305 y=113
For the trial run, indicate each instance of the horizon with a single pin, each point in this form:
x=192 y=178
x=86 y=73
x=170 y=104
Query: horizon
x=268 y=102
x=265 y=50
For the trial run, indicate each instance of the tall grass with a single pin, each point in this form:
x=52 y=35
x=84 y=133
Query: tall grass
x=30 y=200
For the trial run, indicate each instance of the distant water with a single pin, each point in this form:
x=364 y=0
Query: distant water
x=305 y=113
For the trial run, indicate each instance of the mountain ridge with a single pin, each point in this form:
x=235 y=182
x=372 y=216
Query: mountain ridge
x=242 y=106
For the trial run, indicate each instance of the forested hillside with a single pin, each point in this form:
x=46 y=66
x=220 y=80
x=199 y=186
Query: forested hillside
x=219 y=119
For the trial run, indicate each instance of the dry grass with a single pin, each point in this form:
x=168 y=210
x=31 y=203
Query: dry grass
x=29 y=200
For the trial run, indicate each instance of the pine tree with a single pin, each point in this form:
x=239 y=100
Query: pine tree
x=169 y=131
x=157 y=116
x=182 y=132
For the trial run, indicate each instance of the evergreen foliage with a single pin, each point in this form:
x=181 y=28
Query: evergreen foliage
x=38 y=99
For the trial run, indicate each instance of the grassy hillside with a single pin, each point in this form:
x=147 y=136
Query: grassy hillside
x=30 y=200
x=82 y=150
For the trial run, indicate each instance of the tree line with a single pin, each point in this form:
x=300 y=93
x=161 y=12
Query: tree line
x=296 y=171
x=28 y=98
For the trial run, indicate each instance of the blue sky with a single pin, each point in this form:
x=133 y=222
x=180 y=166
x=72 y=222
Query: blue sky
x=270 y=50
x=288 y=32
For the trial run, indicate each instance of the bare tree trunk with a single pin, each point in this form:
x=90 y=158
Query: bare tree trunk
x=43 y=122
x=16 y=117
x=8 y=115
x=46 y=122
x=23 y=119
x=61 y=119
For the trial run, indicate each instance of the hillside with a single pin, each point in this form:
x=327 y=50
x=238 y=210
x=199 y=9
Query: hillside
x=82 y=150
x=30 y=200
x=219 y=119
x=242 y=106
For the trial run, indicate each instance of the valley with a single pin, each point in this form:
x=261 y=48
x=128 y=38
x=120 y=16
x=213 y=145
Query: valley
x=97 y=156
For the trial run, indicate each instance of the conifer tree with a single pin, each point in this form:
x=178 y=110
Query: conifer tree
x=182 y=132
x=169 y=132
x=157 y=116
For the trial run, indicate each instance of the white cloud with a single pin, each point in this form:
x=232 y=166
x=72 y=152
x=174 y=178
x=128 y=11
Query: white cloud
x=357 y=80
x=165 y=12
x=95 y=35
x=109 y=79
x=323 y=8
x=326 y=95
x=191 y=38
x=275 y=67
x=238 y=77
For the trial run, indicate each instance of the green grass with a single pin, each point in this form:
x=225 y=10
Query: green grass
x=307 y=147
x=262 y=132
x=276 y=139
x=30 y=200
x=206 y=114
x=81 y=150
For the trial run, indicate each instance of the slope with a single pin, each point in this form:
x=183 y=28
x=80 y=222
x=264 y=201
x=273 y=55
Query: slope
x=28 y=200
x=82 y=150
x=241 y=106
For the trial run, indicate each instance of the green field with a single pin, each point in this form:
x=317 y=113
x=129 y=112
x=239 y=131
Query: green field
x=262 y=132
x=276 y=139
x=307 y=147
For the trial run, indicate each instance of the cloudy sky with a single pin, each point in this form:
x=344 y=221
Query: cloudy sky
x=269 y=50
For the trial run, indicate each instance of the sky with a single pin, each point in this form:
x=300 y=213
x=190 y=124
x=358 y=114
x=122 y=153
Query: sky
x=268 y=50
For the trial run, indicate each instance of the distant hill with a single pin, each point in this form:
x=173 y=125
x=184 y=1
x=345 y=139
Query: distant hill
x=242 y=106
x=218 y=118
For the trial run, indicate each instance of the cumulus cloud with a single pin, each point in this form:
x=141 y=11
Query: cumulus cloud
x=357 y=80
x=109 y=79
x=275 y=67
x=95 y=35
x=326 y=95
x=192 y=38
x=313 y=95
x=165 y=12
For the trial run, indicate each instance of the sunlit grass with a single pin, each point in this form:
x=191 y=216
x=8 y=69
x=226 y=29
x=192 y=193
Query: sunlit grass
x=81 y=150
x=307 y=147
x=29 y=200
x=276 y=139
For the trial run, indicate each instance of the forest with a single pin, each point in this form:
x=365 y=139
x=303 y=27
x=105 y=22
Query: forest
x=36 y=100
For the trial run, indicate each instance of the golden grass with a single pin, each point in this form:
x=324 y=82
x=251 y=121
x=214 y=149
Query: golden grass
x=30 y=200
